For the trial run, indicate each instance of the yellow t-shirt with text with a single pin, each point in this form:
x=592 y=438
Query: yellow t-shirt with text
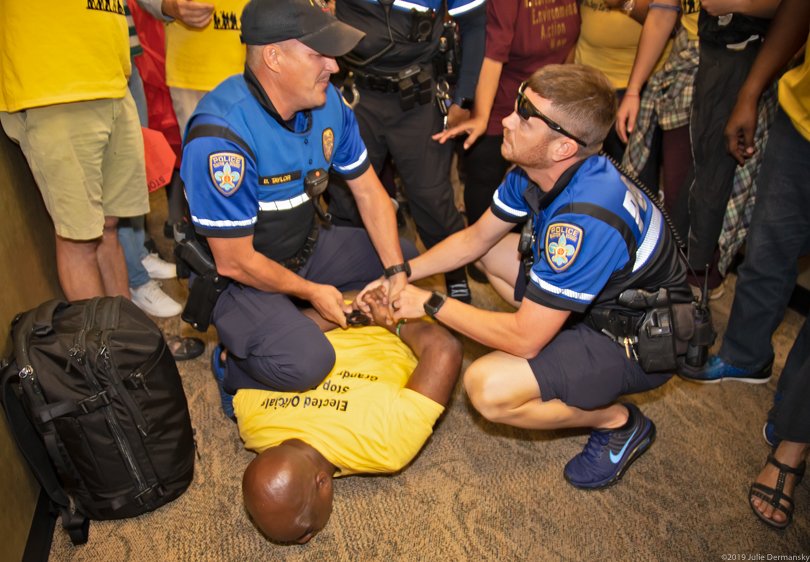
x=361 y=418
x=608 y=40
x=62 y=51
x=199 y=59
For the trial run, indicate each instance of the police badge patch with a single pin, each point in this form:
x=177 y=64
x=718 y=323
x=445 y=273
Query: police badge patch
x=563 y=243
x=227 y=171
x=328 y=144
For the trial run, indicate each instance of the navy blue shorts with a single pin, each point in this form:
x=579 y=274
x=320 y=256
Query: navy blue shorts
x=271 y=344
x=586 y=369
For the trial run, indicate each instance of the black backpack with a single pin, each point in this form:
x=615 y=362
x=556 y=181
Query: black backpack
x=93 y=390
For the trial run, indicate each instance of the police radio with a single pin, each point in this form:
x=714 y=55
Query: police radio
x=315 y=183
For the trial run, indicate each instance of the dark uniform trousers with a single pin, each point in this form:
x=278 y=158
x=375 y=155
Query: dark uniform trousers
x=422 y=163
x=271 y=344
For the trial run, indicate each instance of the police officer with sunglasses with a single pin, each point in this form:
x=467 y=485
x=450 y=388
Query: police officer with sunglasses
x=594 y=236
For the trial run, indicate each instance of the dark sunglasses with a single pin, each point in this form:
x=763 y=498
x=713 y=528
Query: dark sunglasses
x=525 y=109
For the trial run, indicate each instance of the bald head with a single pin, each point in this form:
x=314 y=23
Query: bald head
x=288 y=491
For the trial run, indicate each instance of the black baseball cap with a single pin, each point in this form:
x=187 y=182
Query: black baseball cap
x=310 y=21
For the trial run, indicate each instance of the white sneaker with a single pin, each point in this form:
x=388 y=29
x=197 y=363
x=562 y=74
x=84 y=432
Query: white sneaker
x=151 y=299
x=157 y=268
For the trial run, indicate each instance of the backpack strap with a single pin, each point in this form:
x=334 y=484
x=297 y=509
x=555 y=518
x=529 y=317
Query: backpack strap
x=32 y=448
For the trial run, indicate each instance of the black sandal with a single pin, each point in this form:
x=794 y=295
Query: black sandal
x=775 y=497
x=188 y=348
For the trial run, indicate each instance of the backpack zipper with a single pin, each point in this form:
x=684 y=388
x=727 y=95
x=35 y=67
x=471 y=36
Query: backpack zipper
x=79 y=354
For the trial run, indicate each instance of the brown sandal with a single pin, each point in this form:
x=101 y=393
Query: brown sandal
x=775 y=496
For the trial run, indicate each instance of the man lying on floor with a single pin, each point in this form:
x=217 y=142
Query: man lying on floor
x=373 y=413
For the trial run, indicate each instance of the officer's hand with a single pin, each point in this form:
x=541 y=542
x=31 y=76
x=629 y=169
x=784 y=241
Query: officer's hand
x=328 y=301
x=626 y=117
x=739 y=132
x=395 y=286
x=191 y=13
x=474 y=128
x=456 y=115
x=410 y=303
x=359 y=301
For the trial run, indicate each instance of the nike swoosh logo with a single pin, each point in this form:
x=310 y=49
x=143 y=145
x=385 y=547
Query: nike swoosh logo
x=616 y=458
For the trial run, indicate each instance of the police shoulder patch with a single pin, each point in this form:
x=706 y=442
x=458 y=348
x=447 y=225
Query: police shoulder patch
x=328 y=143
x=562 y=245
x=227 y=171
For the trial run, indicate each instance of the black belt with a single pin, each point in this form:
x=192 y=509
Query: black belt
x=377 y=82
x=302 y=256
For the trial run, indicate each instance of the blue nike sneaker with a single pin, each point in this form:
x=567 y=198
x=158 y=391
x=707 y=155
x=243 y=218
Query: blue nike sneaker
x=716 y=370
x=219 y=372
x=610 y=452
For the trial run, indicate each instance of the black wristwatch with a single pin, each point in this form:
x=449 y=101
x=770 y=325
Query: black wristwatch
x=466 y=103
x=434 y=303
x=394 y=269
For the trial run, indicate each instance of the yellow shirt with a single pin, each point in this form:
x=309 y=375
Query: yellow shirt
x=690 y=11
x=794 y=96
x=61 y=51
x=360 y=418
x=199 y=59
x=608 y=40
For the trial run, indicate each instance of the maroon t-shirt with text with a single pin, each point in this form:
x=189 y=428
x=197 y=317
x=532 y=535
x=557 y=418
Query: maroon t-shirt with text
x=526 y=35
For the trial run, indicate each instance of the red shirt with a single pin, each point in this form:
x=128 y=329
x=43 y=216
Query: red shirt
x=526 y=35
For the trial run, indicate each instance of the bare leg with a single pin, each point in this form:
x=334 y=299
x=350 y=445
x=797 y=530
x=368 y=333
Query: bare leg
x=504 y=389
x=77 y=265
x=501 y=266
x=111 y=262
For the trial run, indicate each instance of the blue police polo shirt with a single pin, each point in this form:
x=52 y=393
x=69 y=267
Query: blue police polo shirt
x=594 y=230
x=244 y=167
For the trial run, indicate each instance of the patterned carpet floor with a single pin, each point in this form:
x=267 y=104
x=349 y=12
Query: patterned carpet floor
x=481 y=491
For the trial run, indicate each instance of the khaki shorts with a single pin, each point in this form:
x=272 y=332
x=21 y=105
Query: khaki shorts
x=87 y=159
x=184 y=102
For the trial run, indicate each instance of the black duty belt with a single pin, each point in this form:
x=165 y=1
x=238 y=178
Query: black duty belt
x=386 y=83
x=414 y=84
x=302 y=256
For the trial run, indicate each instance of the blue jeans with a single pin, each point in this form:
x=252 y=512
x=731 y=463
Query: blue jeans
x=131 y=236
x=778 y=237
x=131 y=231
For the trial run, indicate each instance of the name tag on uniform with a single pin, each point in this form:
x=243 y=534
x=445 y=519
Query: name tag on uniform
x=280 y=178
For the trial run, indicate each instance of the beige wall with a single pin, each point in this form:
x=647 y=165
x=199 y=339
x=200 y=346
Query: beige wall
x=27 y=278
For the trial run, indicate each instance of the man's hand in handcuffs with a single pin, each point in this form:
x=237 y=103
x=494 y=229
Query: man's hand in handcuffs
x=410 y=303
x=391 y=288
x=377 y=309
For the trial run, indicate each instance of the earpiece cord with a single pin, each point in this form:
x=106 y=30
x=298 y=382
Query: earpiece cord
x=356 y=61
x=657 y=202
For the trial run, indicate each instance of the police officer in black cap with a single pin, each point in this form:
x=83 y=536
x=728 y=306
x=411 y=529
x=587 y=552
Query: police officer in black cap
x=396 y=71
x=257 y=150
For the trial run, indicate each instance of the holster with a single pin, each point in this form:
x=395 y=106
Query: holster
x=659 y=332
x=205 y=289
